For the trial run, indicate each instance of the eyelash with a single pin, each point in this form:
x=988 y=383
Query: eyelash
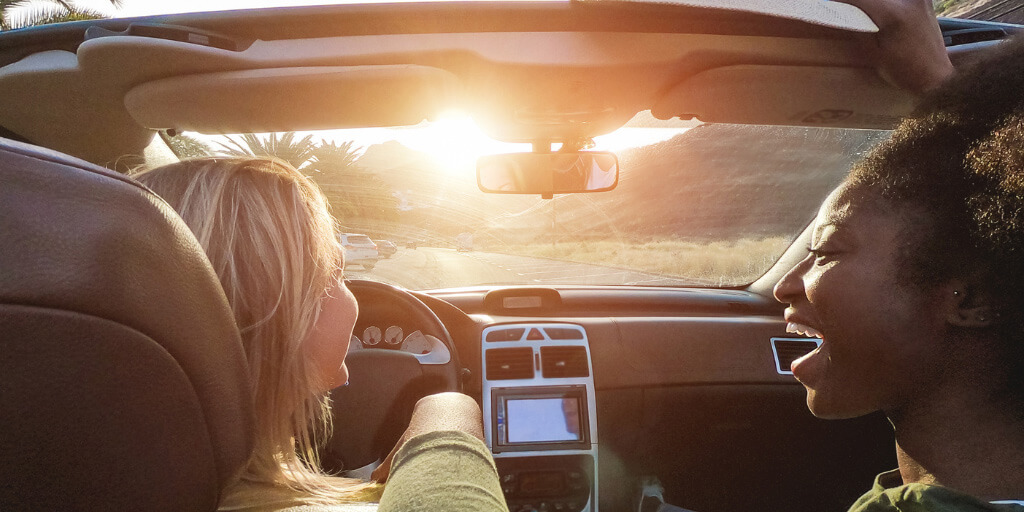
x=820 y=254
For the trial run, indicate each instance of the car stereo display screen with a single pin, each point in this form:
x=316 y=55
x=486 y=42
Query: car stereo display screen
x=538 y=420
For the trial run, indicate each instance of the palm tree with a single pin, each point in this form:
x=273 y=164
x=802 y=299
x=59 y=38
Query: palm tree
x=335 y=157
x=353 y=191
x=298 y=153
x=186 y=146
x=29 y=13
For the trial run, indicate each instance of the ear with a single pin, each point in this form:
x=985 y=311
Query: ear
x=968 y=307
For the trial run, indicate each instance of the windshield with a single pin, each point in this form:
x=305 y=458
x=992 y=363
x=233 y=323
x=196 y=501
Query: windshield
x=707 y=205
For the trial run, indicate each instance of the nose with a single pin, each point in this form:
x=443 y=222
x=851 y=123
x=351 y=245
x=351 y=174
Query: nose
x=791 y=286
x=351 y=299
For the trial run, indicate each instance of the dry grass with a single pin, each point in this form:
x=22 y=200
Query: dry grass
x=724 y=262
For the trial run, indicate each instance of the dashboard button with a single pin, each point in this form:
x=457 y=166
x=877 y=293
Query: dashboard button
x=506 y=334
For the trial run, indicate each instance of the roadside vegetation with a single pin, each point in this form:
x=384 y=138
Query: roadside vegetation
x=722 y=262
x=29 y=13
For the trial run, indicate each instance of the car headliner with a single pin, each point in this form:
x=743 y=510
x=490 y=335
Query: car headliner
x=525 y=71
x=557 y=71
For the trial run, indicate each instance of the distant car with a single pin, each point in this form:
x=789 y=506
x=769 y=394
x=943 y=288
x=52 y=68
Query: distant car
x=385 y=248
x=359 y=250
x=410 y=244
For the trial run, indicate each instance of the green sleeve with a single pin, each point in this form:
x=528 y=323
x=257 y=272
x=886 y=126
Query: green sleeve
x=446 y=470
x=921 y=498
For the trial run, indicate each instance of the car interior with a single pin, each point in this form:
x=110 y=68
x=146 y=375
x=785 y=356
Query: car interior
x=123 y=378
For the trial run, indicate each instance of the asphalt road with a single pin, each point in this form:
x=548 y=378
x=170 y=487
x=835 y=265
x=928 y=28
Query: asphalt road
x=429 y=268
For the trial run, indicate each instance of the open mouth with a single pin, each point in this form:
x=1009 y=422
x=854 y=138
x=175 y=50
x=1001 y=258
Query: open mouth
x=810 y=369
x=805 y=330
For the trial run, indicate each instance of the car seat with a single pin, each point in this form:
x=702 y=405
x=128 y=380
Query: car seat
x=123 y=383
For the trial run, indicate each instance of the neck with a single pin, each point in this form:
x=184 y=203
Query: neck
x=966 y=443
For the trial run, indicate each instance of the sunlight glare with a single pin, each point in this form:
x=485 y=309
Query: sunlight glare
x=455 y=141
x=625 y=138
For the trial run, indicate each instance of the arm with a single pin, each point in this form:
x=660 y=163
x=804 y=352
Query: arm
x=441 y=462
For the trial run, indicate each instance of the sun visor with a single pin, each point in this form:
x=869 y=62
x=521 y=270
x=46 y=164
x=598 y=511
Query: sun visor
x=288 y=99
x=788 y=95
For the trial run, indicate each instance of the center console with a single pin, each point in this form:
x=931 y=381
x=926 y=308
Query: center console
x=539 y=416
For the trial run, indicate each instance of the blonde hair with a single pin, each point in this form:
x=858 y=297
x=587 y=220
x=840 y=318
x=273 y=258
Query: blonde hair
x=267 y=231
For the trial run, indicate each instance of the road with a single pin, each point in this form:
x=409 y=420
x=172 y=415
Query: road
x=429 y=268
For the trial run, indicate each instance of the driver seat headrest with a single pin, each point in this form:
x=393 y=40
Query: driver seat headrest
x=123 y=384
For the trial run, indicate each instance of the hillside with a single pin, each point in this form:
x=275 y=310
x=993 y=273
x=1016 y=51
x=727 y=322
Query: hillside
x=714 y=182
x=1003 y=11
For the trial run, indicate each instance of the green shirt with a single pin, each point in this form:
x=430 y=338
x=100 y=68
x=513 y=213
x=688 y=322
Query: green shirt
x=436 y=471
x=446 y=470
x=890 y=494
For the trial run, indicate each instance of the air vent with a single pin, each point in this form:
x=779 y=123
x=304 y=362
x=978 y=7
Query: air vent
x=787 y=350
x=564 y=333
x=562 y=362
x=510 y=363
x=973 y=35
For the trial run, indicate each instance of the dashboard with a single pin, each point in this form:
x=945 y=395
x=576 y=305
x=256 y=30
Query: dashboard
x=589 y=394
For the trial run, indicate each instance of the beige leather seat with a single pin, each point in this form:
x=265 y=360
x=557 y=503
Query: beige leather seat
x=123 y=384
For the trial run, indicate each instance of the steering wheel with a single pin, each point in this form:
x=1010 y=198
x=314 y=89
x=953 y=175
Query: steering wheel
x=386 y=376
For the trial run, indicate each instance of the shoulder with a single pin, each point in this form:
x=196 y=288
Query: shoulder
x=888 y=494
x=351 y=507
x=248 y=496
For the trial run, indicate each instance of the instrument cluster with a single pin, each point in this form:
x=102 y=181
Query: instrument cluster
x=394 y=337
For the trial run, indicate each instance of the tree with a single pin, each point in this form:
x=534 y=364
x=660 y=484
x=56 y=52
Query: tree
x=29 y=13
x=188 y=147
x=353 y=191
x=298 y=153
x=356 y=194
x=329 y=156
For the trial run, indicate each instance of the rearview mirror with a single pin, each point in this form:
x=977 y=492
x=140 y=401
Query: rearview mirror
x=547 y=173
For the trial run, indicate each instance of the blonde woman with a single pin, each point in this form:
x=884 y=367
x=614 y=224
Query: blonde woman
x=270 y=238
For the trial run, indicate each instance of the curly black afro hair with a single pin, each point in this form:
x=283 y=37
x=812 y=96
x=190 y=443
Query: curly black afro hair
x=958 y=167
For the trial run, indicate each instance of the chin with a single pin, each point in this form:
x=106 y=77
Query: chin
x=828 y=407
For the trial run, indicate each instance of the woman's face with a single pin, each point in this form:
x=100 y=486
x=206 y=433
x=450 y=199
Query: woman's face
x=328 y=342
x=880 y=339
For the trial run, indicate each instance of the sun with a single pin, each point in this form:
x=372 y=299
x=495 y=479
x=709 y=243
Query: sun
x=455 y=141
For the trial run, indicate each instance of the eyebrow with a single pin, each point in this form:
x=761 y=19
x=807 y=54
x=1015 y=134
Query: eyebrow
x=836 y=225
